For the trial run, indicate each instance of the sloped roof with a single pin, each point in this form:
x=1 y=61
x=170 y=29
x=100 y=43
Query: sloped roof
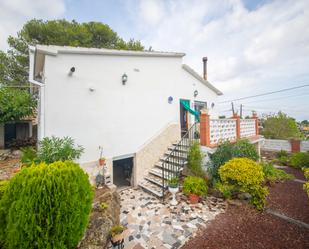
x=54 y=50
x=198 y=77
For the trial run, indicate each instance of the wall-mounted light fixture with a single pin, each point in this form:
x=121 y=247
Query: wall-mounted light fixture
x=195 y=93
x=124 y=79
x=170 y=100
x=72 y=70
x=212 y=105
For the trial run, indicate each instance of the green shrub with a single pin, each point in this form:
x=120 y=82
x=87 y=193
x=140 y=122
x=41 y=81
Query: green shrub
x=226 y=151
x=245 y=175
x=46 y=207
x=223 y=153
x=58 y=149
x=29 y=156
x=195 y=159
x=3 y=186
x=282 y=153
x=195 y=185
x=243 y=148
x=272 y=174
x=300 y=160
x=283 y=160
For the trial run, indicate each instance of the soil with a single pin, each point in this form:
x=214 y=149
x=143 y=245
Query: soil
x=241 y=226
x=296 y=172
x=8 y=168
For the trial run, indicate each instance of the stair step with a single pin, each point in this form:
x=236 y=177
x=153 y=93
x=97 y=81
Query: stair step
x=170 y=161
x=181 y=155
x=158 y=172
x=170 y=167
x=184 y=145
x=154 y=179
x=151 y=188
x=178 y=149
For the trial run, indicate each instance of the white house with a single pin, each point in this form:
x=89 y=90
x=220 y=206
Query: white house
x=128 y=102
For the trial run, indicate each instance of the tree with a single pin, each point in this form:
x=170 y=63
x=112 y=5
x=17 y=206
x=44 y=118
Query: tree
x=14 y=65
x=280 y=126
x=15 y=104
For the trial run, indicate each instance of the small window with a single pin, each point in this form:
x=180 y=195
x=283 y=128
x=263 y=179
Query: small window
x=199 y=105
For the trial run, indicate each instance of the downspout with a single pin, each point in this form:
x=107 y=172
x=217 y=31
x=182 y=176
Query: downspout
x=41 y=102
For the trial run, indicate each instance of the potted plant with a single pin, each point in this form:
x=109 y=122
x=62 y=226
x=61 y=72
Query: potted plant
x=117 y=237
x=173 y=187
x=195 y=187
x=101 y=159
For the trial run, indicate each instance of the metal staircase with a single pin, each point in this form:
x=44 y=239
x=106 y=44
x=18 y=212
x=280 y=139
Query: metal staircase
x=170 y=165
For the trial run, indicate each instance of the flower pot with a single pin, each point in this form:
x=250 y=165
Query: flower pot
x=173 y=191
x=193 y=198
x=102 y=162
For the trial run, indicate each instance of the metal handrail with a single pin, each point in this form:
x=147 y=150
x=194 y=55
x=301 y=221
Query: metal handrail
x=174 y=160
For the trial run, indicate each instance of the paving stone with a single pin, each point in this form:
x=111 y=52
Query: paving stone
x=152 y=224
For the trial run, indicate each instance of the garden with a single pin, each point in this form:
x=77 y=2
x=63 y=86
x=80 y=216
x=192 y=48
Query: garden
x=49 y=201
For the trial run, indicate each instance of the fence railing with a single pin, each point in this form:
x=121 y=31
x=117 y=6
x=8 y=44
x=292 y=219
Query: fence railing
x=176 y=160
x=215 y=131
x=222 y=130
x=247 y=128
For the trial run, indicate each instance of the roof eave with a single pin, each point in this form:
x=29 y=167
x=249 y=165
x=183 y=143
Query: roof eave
x=198 y=77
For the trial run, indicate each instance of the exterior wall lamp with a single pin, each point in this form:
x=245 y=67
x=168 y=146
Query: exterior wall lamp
x=195 y=93
x=124 y=79
x=72 y=70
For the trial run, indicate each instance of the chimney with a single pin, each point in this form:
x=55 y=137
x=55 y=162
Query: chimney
x=205 y=68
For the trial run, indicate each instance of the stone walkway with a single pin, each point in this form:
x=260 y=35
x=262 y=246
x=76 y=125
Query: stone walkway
x=150 y=224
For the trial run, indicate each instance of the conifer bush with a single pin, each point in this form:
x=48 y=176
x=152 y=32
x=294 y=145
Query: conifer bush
x=245 y=175
x=46 y=207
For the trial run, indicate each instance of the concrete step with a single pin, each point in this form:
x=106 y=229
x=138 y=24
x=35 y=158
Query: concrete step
x=158 y=172
x=174 y=161
x=181 y=155
x=183 y=150
x=171 y=168
x=151 y=188
x=155 y=180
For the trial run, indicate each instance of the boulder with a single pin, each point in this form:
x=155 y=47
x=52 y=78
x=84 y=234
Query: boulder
x=105 y=214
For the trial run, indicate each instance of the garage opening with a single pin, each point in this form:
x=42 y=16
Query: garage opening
x=122 y=172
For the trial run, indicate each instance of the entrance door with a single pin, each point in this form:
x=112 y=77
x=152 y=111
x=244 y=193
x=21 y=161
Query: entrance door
x=184 y=118
x=9 y=134
x=122 y=172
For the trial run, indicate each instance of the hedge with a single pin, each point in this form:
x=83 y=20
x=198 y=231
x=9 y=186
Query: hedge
x=46 y=207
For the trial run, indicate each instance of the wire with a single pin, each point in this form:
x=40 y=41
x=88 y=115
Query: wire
x=267 y=93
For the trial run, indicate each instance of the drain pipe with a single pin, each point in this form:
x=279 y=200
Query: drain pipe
x=41 y=101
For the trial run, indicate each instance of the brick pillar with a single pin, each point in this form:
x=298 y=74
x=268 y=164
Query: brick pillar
x=295 y=145
x=237 y=118
x=254 y=116
x=204 y=129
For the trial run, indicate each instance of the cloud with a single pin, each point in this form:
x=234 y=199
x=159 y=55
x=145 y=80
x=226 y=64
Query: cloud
x=249 y=50
x=14 y=13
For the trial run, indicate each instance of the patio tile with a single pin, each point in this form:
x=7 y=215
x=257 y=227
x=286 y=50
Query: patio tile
x=152 y=224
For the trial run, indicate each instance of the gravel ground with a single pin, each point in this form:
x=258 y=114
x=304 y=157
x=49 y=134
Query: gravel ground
x=244 y=227
x=296 y=172
x=290 y=199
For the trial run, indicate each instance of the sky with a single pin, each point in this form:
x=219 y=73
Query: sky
x=252 y=46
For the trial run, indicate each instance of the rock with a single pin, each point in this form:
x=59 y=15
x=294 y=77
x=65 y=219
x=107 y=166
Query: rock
x=215 y=193
x=244 y=196
x=16 y=154
x=234 y=202
x=100 y=224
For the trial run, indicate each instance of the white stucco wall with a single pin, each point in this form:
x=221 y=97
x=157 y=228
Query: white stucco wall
x=121 y=118
x=276 y=145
